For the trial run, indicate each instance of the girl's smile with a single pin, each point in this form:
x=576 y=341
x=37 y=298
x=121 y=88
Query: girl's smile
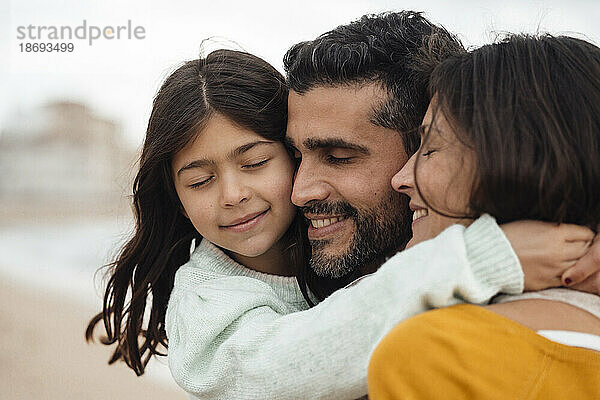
x=246 y=223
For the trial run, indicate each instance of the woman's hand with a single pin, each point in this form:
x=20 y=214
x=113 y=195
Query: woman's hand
x=551 y=253
x=584 y=275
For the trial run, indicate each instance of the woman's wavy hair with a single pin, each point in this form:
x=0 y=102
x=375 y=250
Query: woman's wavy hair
x=529 y=108
x=235 y=84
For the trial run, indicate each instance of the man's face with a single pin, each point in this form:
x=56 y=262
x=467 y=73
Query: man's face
x=343 y=180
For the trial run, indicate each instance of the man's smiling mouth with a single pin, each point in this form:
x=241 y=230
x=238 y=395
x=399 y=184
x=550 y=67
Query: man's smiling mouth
x=321 y=223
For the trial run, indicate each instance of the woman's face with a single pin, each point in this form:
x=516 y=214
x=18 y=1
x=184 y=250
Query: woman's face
x=235 y=187
x=445 y=172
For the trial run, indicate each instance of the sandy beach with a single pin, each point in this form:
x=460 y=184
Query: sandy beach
x=43 y=354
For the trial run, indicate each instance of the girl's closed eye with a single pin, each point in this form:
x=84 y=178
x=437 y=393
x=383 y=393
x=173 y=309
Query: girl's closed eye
x=200 y=183
x=428 y=152
x=255 y=164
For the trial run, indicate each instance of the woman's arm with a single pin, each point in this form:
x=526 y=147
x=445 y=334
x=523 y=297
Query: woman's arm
x=230 y=338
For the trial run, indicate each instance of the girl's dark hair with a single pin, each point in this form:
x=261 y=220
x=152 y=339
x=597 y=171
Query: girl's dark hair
x=245 y=89
x=529 y=108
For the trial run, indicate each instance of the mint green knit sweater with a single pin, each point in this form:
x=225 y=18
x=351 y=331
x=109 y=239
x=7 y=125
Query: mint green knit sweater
x=239 y=334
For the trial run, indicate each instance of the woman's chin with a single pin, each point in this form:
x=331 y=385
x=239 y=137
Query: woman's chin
x=412 y=242
x=419 y=236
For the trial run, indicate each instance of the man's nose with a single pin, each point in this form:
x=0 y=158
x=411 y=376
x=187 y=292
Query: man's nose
x=308 y=185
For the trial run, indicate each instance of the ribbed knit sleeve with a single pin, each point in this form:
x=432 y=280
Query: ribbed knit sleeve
x=492 y=258
x=232 y=337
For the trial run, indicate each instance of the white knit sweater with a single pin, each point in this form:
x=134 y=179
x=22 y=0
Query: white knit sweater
x=238 y=334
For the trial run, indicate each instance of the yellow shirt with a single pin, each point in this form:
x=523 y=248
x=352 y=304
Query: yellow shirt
x=468 y=352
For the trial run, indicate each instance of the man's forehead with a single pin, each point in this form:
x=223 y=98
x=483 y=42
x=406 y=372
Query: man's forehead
x=333 y=113
x=350 y=97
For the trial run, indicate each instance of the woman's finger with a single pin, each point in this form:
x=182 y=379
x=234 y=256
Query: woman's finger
x=575 y=233
x=590 y=285
x=585 y=267
x=573 y=251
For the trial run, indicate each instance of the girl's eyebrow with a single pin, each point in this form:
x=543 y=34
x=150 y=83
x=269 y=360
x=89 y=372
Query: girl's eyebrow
x=245 y=147
x=195 y=164
x=201 y=163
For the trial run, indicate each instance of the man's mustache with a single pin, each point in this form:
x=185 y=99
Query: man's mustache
x=329 y=207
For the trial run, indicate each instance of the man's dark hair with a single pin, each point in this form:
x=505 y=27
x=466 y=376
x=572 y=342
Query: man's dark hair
x=396 y=50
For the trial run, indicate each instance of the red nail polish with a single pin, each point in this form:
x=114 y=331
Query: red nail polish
x=568 y=281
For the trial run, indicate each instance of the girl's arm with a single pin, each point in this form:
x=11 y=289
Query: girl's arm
x=231 y=338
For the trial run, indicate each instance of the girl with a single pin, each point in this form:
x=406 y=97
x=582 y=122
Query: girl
x=214 y=172
x=239 y=103
x=524 y=116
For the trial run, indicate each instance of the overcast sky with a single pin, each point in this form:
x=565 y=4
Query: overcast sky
x=118 y=78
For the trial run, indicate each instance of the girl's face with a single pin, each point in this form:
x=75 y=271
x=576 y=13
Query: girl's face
x=445 y=173
x=235 y=187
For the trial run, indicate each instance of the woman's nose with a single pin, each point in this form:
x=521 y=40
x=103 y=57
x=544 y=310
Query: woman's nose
x=404 y=180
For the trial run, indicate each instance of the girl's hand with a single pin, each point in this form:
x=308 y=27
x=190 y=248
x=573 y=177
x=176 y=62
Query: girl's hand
x=549 y=251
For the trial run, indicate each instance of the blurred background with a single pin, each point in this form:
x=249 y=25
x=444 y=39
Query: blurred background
x=71 y=126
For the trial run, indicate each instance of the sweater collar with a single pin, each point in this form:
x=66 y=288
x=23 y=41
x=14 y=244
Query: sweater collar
x=210 y=257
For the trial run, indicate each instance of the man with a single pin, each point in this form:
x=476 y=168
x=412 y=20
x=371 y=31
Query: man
x=357 y=95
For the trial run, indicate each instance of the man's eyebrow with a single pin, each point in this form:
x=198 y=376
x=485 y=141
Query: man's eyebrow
x=314 y=144
x=201 y=163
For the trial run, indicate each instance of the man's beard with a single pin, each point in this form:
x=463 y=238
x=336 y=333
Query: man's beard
x=380 y=232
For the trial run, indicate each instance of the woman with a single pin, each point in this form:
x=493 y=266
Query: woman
x=513 y=130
